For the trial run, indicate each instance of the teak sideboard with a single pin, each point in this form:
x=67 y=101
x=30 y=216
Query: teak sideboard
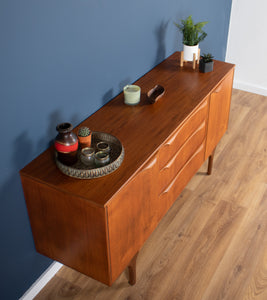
x=97 y=226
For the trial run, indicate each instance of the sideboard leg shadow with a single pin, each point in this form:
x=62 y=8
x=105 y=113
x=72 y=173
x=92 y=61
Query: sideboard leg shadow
x=210 y=165
x=132 y=270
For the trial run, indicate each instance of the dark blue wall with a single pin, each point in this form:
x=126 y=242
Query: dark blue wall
x=61 y=60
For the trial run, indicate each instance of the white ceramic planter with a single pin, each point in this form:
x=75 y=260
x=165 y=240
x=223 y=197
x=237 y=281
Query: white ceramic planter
x=189 y=52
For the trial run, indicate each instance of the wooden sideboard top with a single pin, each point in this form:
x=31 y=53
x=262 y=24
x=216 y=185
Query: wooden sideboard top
x=141 y=129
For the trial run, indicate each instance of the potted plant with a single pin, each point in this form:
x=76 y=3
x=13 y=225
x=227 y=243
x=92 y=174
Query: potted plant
x=206 y=63
x=192 y=36
x=84 y=136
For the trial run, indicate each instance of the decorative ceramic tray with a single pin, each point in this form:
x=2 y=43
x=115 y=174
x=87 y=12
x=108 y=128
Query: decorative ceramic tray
x=82 y=171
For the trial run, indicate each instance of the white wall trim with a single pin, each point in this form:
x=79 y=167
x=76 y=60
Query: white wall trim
x=41 y=281
x=248 y=87
x=229 y=32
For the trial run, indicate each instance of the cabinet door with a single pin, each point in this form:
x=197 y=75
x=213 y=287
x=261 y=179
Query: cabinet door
x=220 y=100
x=132 y=216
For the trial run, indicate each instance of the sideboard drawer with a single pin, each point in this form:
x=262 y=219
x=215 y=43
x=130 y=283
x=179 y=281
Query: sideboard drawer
x=175 y=164
x=174 y=143
x=169 y=195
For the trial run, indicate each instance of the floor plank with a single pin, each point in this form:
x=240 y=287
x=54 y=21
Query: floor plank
x=243 y=253
x=257 y=288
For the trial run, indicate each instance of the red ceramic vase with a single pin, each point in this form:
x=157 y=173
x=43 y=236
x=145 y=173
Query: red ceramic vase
x=66 y=144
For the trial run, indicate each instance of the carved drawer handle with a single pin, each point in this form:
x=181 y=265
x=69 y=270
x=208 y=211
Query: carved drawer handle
x=217 y=90
x=185 y=166
x=193 y=135
x=173 y=138
x=151 y=164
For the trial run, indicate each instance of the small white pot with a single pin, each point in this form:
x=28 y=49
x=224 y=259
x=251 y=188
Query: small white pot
x=189 y=52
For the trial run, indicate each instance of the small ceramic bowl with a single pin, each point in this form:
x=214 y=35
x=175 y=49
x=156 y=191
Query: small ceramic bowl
x=101 y=158
x=103 y=146
x=87 y=156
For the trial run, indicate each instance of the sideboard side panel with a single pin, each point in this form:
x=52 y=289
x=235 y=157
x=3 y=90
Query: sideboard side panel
x=68 y=229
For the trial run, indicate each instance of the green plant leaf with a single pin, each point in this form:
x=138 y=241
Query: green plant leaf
x=192 y=33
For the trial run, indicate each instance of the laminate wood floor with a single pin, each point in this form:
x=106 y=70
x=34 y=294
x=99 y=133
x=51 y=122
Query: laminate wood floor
x=212 y=244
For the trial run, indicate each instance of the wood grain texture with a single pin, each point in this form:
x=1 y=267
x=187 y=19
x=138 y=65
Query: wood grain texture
x=220 y=100
x=212 y=243
x=169 y=149
x=133 y=214
x=180 y=158
x=144 y=125
x=68 y=229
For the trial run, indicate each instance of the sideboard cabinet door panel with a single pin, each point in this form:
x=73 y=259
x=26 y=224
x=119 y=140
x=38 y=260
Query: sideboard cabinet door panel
x=220 y=99
x=132 y=216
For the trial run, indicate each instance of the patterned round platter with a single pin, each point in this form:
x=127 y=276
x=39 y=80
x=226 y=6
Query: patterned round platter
x=81 y=171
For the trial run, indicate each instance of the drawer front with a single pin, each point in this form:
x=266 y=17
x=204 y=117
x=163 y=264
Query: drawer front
x=170 y=194
x=176 y=163
x=168 y=150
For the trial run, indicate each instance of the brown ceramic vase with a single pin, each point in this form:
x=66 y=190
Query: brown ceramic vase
x=66 y=144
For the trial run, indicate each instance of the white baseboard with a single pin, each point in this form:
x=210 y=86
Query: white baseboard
x=41 y=281
x=252 y=88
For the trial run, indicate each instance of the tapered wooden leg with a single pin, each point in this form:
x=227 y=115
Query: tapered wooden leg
x=194 y=61
x=211 y=157
x=182 y=59
x=132 y=270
